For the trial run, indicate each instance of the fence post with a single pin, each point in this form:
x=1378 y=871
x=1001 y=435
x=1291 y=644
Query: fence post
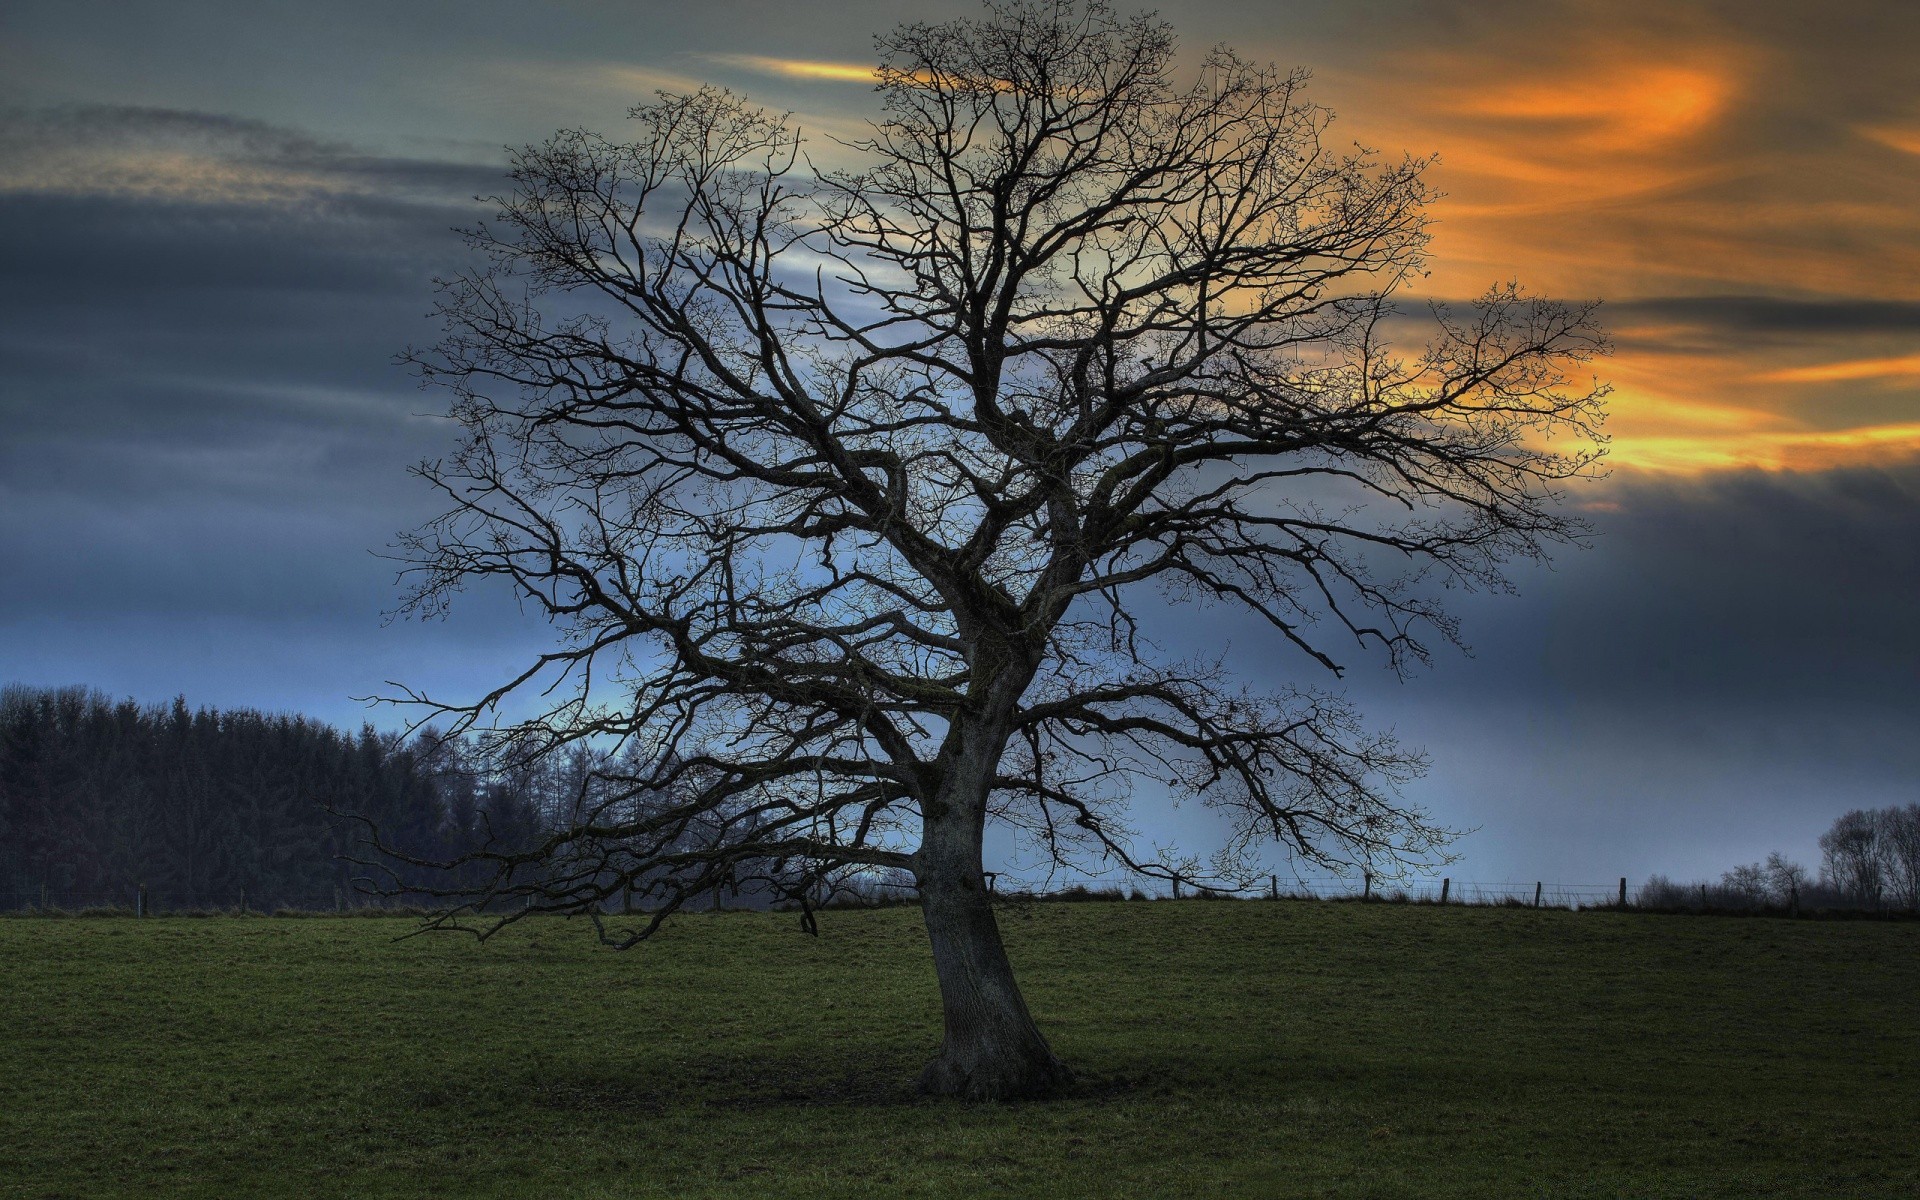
x=626 y=899
x=140 y=902
x=43 y=897
x=1793 y=899
x=1176 y=889
x=1536 y=892
x=243 y=902
x=1446 y=885
x=1703 y=897
x=1273 y=886
x=1623 y=891
x=1366 y=885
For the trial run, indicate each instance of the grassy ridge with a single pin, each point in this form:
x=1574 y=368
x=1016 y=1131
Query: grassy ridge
x=1226 y=1049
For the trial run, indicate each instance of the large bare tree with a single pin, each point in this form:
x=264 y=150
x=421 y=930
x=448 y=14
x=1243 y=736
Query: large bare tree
x=846 y=468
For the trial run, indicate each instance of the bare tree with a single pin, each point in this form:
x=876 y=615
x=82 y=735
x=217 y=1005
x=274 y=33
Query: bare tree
x=1778 y=881
x=1853 y=857
x=1900 y=831
x=1786 y=879
x=846 y=484
x=1873 y=856
x=1748 y=884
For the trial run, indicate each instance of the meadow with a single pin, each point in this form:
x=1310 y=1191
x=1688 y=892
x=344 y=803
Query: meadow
x=1254 y=1048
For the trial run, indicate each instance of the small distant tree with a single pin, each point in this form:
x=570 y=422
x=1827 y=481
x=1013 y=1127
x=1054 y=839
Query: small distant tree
x=1748 y=884
x=1776 y=881
x=847 y=487
x=1786 y=879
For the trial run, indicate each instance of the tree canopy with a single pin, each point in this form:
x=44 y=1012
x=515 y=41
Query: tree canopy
x=845 y=471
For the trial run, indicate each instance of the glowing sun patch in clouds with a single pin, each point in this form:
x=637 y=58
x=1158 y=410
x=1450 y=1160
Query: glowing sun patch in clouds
x=1605 y=106
x=1774 y=450
x=1702 y=413
x=795 y=68
x=1599 y=124
x=1544 y=161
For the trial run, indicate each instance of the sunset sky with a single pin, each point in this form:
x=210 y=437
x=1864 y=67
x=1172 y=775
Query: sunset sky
x=221 y=221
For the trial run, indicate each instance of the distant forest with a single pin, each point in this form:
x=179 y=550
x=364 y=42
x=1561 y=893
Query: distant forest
x=100 y=797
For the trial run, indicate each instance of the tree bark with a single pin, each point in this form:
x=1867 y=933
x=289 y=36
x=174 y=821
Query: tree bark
x=992 y=1049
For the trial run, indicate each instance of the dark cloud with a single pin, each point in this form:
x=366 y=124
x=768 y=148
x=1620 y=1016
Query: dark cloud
x=1731 y=664
x=1737 y=316
x=1741 y=590
x=316 y=288
x=63 y=128
x=80 y=150
x=205 y=428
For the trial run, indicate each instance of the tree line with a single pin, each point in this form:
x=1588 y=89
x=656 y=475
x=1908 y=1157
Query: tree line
x=100 y=797
x=1869 y=859
x=202 y=808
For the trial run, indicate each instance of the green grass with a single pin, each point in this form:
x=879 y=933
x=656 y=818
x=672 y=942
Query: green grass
x=1225 y=1049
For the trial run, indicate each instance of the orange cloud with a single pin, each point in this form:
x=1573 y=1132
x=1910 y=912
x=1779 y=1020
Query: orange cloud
x=1863 y=368
x=1606 y=106
x=1795 y=450
x=1691 y=395
x=1907 y=140
x=1705 y=409
x=1633 y=167
x=1551 y=158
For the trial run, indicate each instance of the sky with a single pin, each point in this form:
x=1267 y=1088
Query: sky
x=219 y=223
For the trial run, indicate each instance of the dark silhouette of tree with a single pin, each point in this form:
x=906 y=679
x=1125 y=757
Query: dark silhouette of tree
x=1900 y=830
x=1853 y=857
x=846 y=483
x=1872 y=857
x=1778 y=883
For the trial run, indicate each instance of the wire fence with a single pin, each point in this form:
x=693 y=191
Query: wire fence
x=1013 y=887
x=1658 y=894
x=1359 y=886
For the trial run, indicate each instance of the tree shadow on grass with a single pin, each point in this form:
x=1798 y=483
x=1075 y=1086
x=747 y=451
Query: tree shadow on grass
x=757 y=1082
x=733 y=1082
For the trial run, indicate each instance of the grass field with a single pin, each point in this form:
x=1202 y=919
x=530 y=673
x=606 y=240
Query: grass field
x=1225 y=1049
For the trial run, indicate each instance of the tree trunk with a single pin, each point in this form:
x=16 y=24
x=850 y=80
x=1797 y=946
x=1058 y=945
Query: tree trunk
x=993 y=1050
